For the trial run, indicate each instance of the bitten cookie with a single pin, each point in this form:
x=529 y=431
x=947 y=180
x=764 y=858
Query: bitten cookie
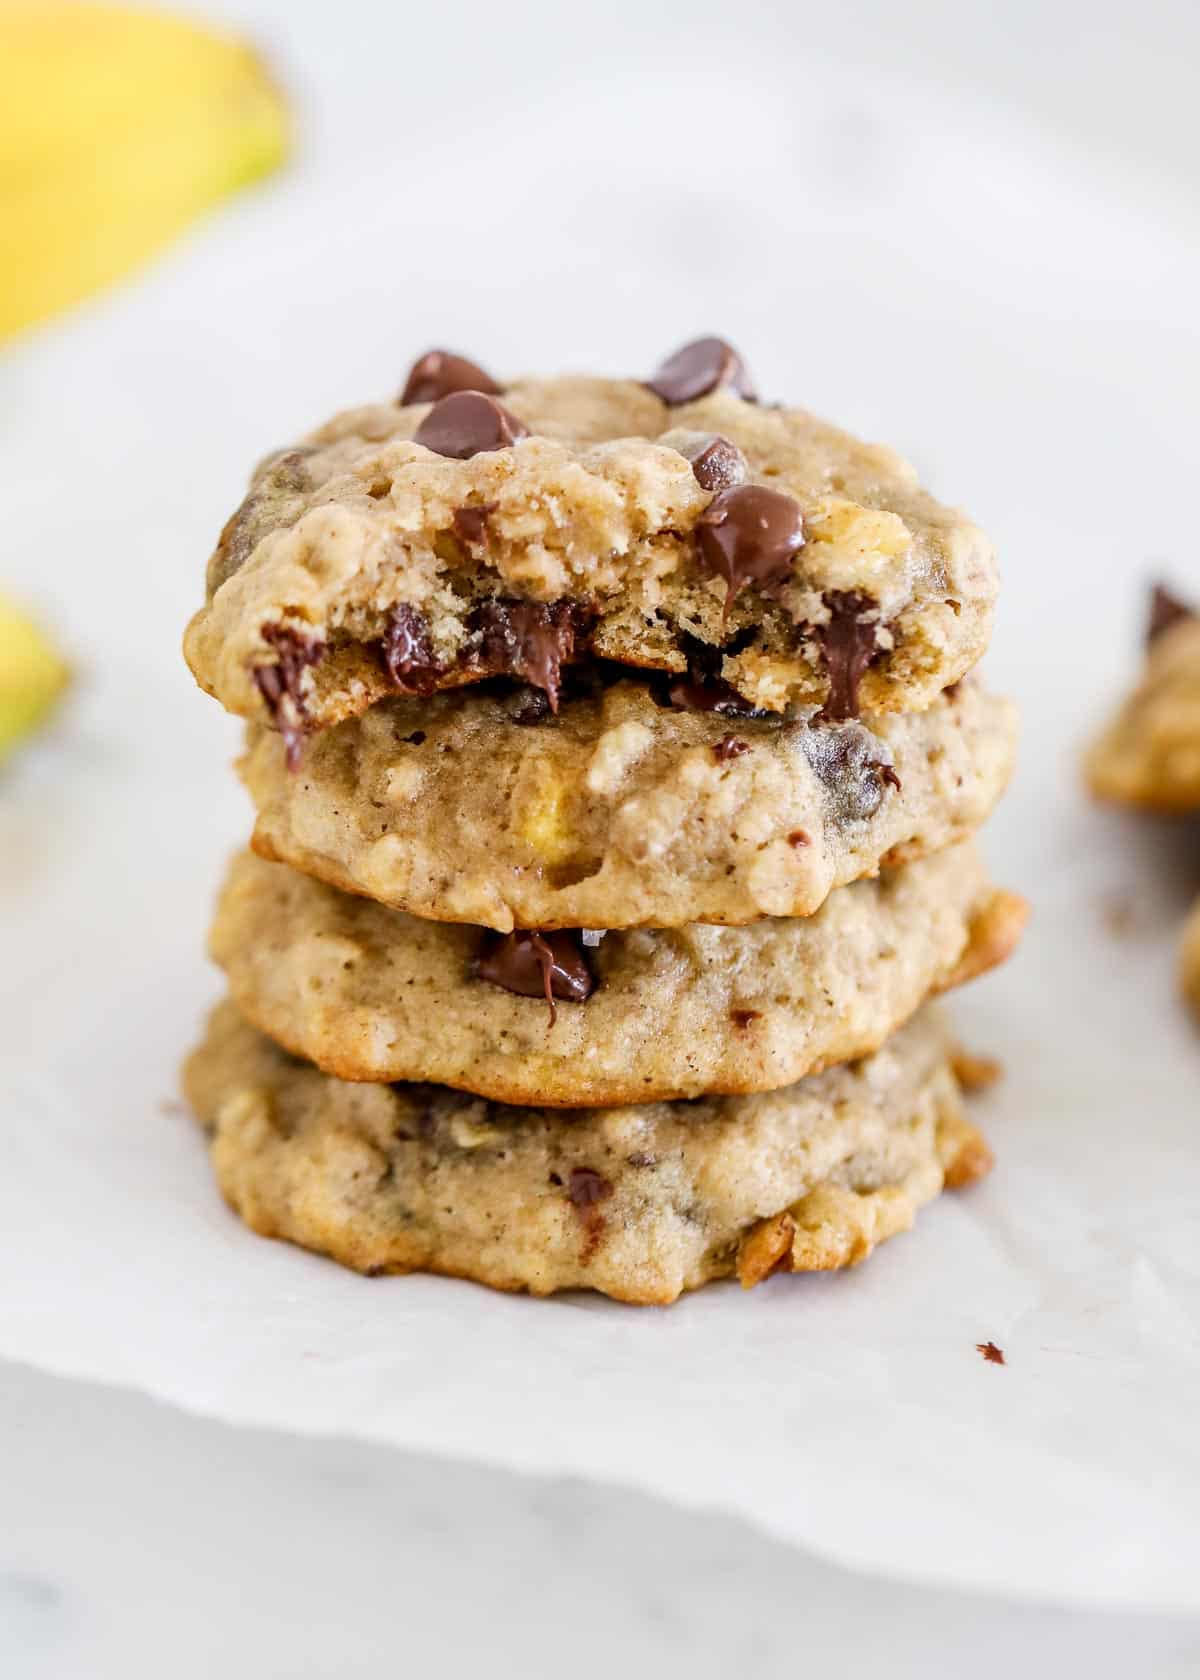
x=1149 y=754
x=621 y=812
x=640 y=1203
x=572 y=1018
x=674 y=524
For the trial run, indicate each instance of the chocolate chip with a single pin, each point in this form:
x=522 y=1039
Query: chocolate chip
x=744 y=1017
x=468 y=423
x=750 y=535
x=586 y=1190
x=1166 y=610
x=532 y=640
x=847 y=763
x=849 y=643
x=888 y=775
x=799 y=837
x=712 y=696
x=729 y=747
x=717 y=464
x=408 y=651
x=439 y=372
x=280 y=684
x=531 y=964
x=470 y=523
x=588 y=1187
x=703 y=689
x=416 y=739
x=698 y=368
x=533 y=707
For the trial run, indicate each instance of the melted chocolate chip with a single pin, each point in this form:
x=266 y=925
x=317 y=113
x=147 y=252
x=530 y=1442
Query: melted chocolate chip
x=549 y=965
x=744 y=1017
x=712 y=696
x=532 y=640
x=408 y=651
x=280 y=684
x=468 y=423
x=847 y=763
x=729 y=747
x=1166 y=609
x=799 y=837
x=750 y=535
x=717 y=464
x=698 y=368
x=470 y=523
x=439 y=372
x=586 y=1189
x=849 y=643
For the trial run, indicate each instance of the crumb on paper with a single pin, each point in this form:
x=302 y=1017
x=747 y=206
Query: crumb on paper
x=975 y=1073
x=1118 y=914
x=993 y=1354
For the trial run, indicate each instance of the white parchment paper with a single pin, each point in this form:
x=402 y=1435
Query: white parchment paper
x=1023 y=323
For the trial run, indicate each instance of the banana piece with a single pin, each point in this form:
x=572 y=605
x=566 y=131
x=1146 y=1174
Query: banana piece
x=32 y=676
x=117 y=128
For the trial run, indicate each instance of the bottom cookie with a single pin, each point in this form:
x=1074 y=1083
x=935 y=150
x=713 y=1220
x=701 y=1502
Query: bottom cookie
x=640 y=1202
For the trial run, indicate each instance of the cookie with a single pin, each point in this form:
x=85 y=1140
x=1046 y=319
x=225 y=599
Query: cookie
x=372 y=994
x=620 y=812
x=675 y=525
x=1189 y=960
x=640 y=1203
x=1149 y=755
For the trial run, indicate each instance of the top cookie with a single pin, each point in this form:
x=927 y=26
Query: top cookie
x=1149 y=754
x=677 y=525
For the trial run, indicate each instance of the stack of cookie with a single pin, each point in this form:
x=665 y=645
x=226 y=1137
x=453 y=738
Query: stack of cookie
x=616 y=764
x=1148 y=756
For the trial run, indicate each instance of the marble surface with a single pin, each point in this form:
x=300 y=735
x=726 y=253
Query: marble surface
x=137 y=1540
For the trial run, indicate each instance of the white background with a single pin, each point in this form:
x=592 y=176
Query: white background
x=971 y=231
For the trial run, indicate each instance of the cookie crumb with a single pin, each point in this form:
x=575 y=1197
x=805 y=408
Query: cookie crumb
x=993 y=1354
x=976 y=1073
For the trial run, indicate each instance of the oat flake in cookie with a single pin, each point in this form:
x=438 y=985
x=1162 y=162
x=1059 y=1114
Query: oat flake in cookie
x=623 y=810
x=369 y=993
x=519 y=529
x=640 y=1203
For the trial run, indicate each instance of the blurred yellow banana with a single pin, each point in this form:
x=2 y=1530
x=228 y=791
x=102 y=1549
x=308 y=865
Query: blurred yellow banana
x=32 y=676
x=117 y=127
